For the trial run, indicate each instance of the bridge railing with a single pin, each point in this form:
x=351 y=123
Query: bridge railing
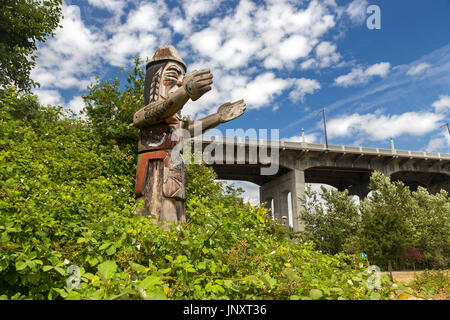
x=283 y=144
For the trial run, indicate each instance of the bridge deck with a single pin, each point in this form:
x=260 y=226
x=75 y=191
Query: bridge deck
x=282 y=144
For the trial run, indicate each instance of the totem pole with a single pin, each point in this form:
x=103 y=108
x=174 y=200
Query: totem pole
x=160 y=176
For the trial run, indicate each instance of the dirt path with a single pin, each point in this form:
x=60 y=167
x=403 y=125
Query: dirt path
x=403 y=276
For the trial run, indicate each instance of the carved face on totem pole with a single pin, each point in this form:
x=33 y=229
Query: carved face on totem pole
x=163 y=76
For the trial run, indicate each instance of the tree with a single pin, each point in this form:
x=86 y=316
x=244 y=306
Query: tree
x=24 y=23
x=110 y=107
x=382 y=224
x=384 y=217
x=431 y=225
x=333 y=221
x=413 y=255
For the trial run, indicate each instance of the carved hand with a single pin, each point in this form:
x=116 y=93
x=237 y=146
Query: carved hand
x=197 y=83
x=229 y=111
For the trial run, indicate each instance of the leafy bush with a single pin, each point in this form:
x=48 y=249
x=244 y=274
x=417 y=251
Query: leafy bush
x=68 y=228
x=382 y=225
x=331 y=221
x=110 y=107
x=413 y=255
x=433 y=282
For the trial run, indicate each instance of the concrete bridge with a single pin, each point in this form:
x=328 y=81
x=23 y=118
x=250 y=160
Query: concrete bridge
x=342 y=167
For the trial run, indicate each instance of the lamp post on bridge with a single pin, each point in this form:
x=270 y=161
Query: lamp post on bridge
x=448 y=128
x=324 y=126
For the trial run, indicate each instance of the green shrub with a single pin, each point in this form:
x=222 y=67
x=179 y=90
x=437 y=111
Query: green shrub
x=68 y=229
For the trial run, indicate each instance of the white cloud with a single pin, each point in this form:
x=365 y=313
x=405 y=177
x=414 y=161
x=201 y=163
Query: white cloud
x=277 y=34
x=356 y=10
x=380 y=69
x=443 y=104
x=308 y=64
x=356 y=76
x=414 y=70
x=141 y=33
x=289 y=50
x=234 y=42
x=302 y=87
x=261 y=90
x=439 y=143
x=69 y=59
x=360 y=76
x=78 y=51
x=325 y=56
x=196 y=9
x=325 y=48
x=48 y=97
x=76 y=104
x=309 y=138
x=378 y=127
x=395 y=88
x=115 y=6
x=184 y=19
x=257 y=92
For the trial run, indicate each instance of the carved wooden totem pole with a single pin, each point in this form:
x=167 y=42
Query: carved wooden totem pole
x=160 y=177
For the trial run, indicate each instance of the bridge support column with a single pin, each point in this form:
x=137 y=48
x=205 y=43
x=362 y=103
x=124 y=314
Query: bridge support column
x=278 y=189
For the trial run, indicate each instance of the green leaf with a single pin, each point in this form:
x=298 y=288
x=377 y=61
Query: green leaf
x=291 y=275
x=97 y=295
x=47 y=268
x=111 y=250
x=164 y=271
x=150 y=282
x=375 y=296
x=315 y=294
x=20 y=265
x=107 y=269
x=138 y=267
x=156 y=294
x=92 y=260
x=104 y=246
x=60 y=270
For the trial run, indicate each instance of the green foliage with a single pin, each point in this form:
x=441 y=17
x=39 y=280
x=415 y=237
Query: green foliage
x=23 y=24
x=68 y=228
x=333 y=220
x=384 y=224
x=432 y=282
x=431 y=227
x=110 y=108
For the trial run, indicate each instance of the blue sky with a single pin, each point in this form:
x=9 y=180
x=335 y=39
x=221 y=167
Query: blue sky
x=287 y=59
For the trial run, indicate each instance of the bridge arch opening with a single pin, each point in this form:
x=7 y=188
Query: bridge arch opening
x=432 y=181
x=251 y=191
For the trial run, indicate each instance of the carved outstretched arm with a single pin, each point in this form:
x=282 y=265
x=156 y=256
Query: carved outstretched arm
x=194 y=85
x=227 y=112
x=157 y=111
